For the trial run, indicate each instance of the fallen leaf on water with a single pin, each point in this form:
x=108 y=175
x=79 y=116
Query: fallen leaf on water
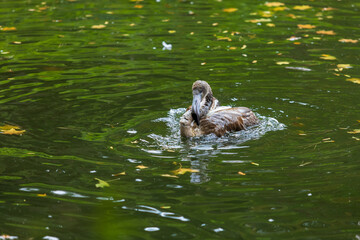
x=165 y=207
x=168 y=175
x=118 y=174
x=8 y=127
x=241 y=173
x=255 y=61
x=292 y=16
x=358 y=139
x=282 y=63
x=101 y=183
x=141 y=167
x=358 y=121
x=243 y=46
x=232 y=48
x=325 y=32
x=278 y=9
x=203 y=63
x=230 y=10
x=344 y=40
x=215 y=24
x=293 y=38
x=327 y=57
x=302 y=7
x=354 y=80
x=254 y=163
x=355 y=131
x=259 y=20
x=270 y=25
x=306 y=26
x=304 y=164
x=100 y=26
x=344 y=66
x=13 y=131
x=274 y=4
x=328 y=9
x=41 y=195
x=172 y=31
x=8 y=29
x=184 y=170
x=16 y=42
x=224 y=38
x=138 y=6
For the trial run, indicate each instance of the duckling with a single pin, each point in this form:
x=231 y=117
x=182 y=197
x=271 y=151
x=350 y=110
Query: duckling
x=206 y=116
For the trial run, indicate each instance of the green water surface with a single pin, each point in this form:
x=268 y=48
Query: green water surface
x=99 y=95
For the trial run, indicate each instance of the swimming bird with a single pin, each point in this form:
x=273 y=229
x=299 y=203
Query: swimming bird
x=206 y=116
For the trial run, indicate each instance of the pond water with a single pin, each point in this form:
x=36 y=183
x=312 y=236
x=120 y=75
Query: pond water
x=99 y=86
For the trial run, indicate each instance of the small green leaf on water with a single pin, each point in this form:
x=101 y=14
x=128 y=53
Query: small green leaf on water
x=101 y=183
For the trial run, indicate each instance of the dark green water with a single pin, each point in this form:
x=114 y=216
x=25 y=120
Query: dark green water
x=98 y=102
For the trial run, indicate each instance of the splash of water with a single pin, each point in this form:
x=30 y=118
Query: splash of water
x=173 y=140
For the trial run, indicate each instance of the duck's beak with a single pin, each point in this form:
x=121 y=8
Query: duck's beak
x=195 y=109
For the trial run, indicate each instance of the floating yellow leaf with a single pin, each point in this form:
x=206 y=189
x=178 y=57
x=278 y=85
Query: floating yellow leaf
x=259 y=20
x=8 y=127
x=241 y=173
x=278 y=9
x=306 y=26
x=243 y=46
x=358 y=139
x=100 y=26
x=274 y=4
x=230 y=10
x=138 y=6
x=41 y=194
x=327 y=57
x=215 y=24
x=171 y=31
x=282 y=63
x=13 y=131
x=203 y=63
x=165 y=207
x=302 y=7
x=354 y=80
x=270 y=25
x=292 y=16
x=344 y=40
x=101 y=183
x=141 y=167
x=118 y=174
x=344 y=66
x=254 y=163
x=224 y=38
x=168 y=175
x=232 y=48
x=325 y=32
x=355 y=131
x=16 y=42
x=184 y=170
x=8 y=29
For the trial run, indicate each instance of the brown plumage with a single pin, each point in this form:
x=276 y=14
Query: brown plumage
x=206 y=116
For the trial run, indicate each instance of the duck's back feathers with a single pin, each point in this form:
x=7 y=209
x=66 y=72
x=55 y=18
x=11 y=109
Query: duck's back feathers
x=226 y=119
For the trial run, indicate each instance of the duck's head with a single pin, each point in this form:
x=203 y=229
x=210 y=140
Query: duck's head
x=202 y=99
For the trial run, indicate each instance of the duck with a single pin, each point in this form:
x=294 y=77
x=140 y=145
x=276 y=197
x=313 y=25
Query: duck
x=205 y=116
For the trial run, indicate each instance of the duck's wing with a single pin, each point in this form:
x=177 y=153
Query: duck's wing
x=227 y=120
